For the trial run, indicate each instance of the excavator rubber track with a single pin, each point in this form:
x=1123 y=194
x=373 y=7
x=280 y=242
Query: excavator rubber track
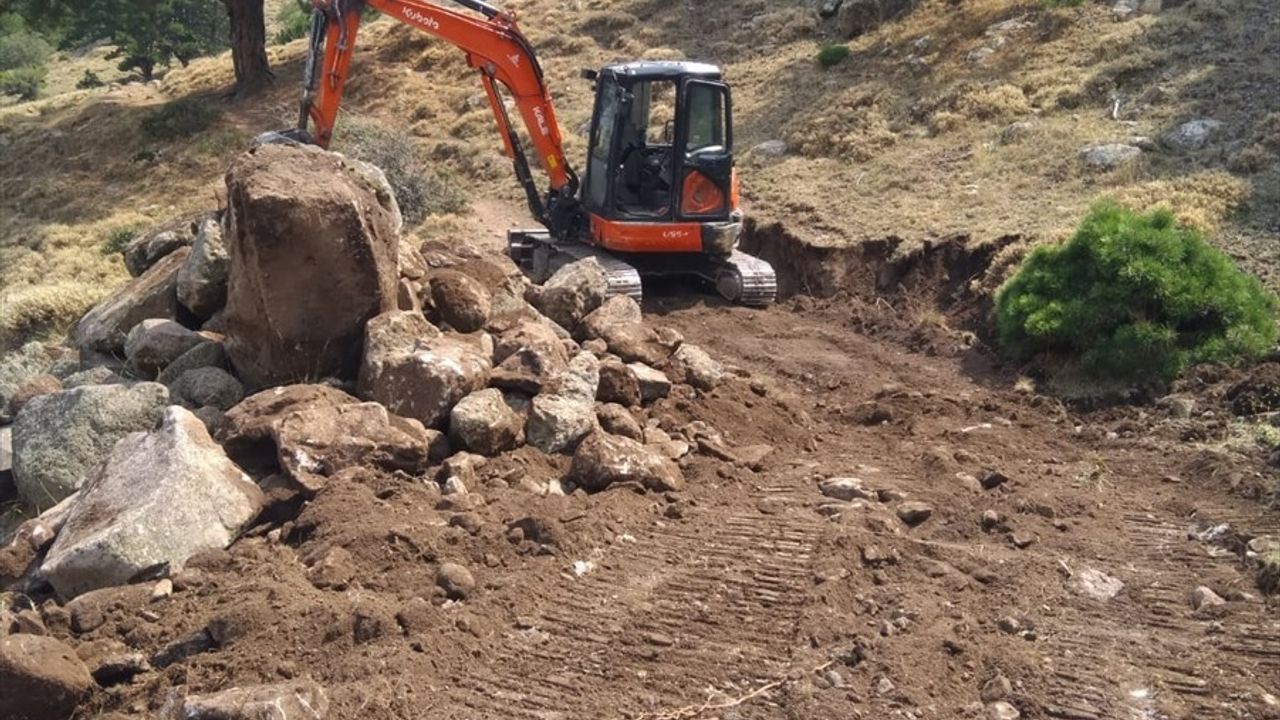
x=739 y=278
x=746 y=280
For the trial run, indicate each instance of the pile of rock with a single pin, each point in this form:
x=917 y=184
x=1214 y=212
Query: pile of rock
x=258 y=353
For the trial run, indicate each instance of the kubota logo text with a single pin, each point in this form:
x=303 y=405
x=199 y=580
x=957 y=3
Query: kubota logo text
x=422 y=18
x=542 y=121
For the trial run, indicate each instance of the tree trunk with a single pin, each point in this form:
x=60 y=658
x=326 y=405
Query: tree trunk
x=248 y=44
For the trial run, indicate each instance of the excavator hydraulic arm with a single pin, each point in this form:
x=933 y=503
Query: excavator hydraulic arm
x=494 y=46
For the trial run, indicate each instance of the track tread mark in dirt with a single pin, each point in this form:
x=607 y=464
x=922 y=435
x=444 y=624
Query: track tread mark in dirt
x=716 y=609
x=1171 y=648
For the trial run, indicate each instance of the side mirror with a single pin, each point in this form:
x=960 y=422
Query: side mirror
x=589 y=74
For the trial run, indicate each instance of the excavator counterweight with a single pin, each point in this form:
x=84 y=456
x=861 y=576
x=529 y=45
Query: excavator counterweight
x=659 y=195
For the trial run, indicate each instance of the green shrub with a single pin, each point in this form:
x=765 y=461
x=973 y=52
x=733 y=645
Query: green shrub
x=118 y=240
x=90 y=80
x=179 y=119
x=1135 y=298
x=294 y=20
x=1061 y=3
x=832 y=55
x=23 y=49
x=23 y=82
x=419 y=189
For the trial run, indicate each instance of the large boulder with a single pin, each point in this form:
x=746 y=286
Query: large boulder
x=314 y=443
x=636 y=342
x=202 y=281
x=312 y=244
x=207 y=387
x=297 y=700
x=153 y=294
x=526 y=334
x=617 y=310
x=154 y=343
x=423 y=377
x=388 y=336
x=16 y=368
x=483 y=422
x=561 y=416
x=249 y=431
x=57 y=438
x=603 y=459
x=207 y=354
x=40 y=678
x=572 y=292
x=159 y=498
x=460 y=301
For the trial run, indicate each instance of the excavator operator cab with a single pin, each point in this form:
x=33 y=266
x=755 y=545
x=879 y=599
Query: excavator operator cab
x=661 y=145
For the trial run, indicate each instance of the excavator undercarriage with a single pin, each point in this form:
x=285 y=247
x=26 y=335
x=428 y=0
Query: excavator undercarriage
x=738 y=277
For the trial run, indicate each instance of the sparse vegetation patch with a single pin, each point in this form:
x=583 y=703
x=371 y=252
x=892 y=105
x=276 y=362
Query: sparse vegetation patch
x=419 y=188
x=179 y=119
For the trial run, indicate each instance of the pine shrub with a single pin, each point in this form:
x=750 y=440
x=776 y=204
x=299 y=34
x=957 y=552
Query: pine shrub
x=1135 y=298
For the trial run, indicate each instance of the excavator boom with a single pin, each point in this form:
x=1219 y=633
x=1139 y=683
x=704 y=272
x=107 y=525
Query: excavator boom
x=494 y=46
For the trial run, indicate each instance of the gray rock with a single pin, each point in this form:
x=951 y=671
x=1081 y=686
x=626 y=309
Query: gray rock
x=996 y=688
x=1203 y=597
x=654 y=384
x=1001 y=710
x=202 y=281
x=1095 y=584
x=16 y=368
x=484 y=423
x=460 y=300
x=207 y=354
x=423 y=378
x=101 y=375
x=6 y=458
x=154 y=343
x=845 y=488
x=618 y=384
x=603 y=460
x=299 y=700
x=617 y=420
x=1109 y=156
x=146 y=250
x=153 y=294
x=207 y=387
x=159 y=498
x=572 y=292
x=559 y=419
x=40 y=678
x=322 y=439
x=617 y=310
x=914 y=512
x=769 y=150
x=57 y=438
x=1192 y=135
x=456 y=580
x=699 y=368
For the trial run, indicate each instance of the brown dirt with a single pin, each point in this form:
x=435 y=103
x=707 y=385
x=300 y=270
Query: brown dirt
x=751 y=585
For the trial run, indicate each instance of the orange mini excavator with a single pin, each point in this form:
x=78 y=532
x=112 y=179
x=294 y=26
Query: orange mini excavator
x=660 y=192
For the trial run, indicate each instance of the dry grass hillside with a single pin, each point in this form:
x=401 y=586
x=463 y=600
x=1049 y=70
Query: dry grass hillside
x=963 y=117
